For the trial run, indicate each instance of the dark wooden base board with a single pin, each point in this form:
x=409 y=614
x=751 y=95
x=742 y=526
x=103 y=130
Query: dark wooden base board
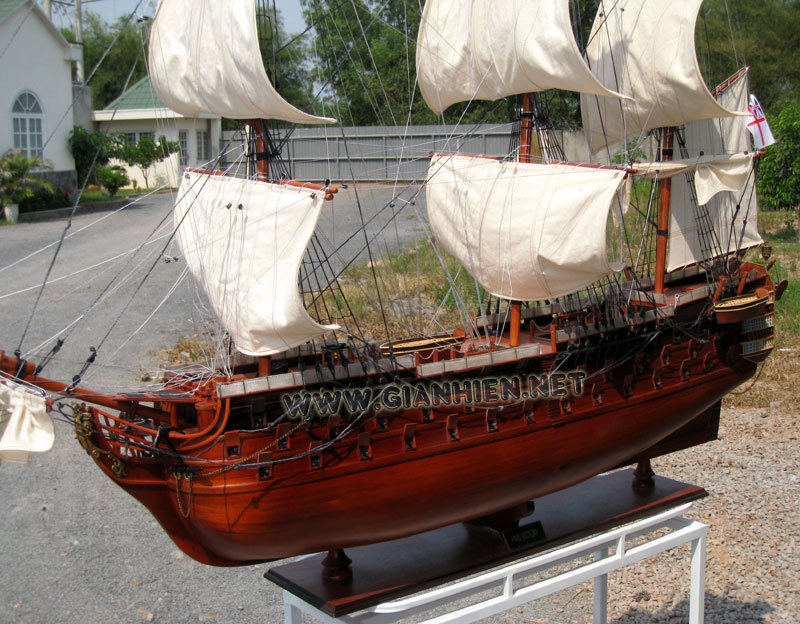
x=391 y=570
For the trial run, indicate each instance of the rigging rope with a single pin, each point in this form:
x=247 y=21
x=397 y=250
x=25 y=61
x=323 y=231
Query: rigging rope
x=69 y=220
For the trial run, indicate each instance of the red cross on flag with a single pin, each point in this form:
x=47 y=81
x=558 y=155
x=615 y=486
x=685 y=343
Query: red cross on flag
x=757 y=124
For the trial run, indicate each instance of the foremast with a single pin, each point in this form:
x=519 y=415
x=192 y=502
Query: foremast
x=260 y=143
x=241 y=237
x=263 y=151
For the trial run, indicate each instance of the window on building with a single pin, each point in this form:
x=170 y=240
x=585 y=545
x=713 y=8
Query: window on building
x=27 y=116
x=183 y=141
x=149 y=135
x=130 y=139
x=203 y=147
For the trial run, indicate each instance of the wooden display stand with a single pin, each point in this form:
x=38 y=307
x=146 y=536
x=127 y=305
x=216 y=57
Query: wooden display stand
x=606 y=507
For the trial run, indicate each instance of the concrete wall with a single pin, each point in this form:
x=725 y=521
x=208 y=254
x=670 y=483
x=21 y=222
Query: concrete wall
x=166 y=173
x=386 y=153
x=163 y=173
x=82 y=106
x=37 y=61
x=66 y=179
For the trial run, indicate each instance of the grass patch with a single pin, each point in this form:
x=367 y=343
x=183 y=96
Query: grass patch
x=632 y=240
x=188 y=349
x=778 y=374
x=417 y=298
x=778 y=225
x=99 y=195
x=414 y=289
x=776 y=378
x=787 y=312
x=779 y=228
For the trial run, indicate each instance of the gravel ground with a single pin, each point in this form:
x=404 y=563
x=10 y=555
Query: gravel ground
x=753 y=477
x=752 y=474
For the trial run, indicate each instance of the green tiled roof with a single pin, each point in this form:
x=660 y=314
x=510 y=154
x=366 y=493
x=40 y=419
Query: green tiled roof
x=7 y=7
x=140 y=95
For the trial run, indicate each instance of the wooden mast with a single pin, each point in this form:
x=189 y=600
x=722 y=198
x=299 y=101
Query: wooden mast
x=662 y=233
x=525 y=142
x=259 y=126
x=643 y=476
x=525 y=149
x=262 y=156
x=526 y=133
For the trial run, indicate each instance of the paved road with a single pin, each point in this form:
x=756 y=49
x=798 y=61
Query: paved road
x=99 y=248
x=75 y=547
x=104 y=248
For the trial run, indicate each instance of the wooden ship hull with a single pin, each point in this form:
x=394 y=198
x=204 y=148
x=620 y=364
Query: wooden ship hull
x=233 y=484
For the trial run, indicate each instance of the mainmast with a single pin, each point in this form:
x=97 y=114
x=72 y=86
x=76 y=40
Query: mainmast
x=662 y=233
x=259 y=149
x=525 y=151
x=521 y=249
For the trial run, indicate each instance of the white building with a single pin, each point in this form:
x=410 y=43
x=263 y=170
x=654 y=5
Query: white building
x=36 y=113
x=139 y=112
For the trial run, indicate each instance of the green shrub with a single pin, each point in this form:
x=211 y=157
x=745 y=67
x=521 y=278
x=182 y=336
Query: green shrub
x=44 y=199
x=18 y=180
x=779 y=169
x=91 y=150
x=112 y=178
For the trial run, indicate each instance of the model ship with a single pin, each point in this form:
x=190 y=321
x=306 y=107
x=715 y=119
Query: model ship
x=600 y=339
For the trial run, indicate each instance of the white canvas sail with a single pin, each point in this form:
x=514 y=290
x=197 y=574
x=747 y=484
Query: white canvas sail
x=243 y=241
x=25 y=425
x=645 y=49
x=205 y=58
x=712 y=174
x=733 y=211
x=485 y=49
x=524 y=231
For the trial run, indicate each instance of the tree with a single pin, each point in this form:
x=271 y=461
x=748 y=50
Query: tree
x=367 y=53
x=128 y=52
x=764 y=34
x=91 y=150
x=146 y=153
x=340 y=59
x=779 y=169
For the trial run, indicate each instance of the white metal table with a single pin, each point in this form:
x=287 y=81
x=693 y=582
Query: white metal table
x=609 y=551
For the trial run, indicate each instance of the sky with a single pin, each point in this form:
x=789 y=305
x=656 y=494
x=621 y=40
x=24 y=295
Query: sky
x=110 y=10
